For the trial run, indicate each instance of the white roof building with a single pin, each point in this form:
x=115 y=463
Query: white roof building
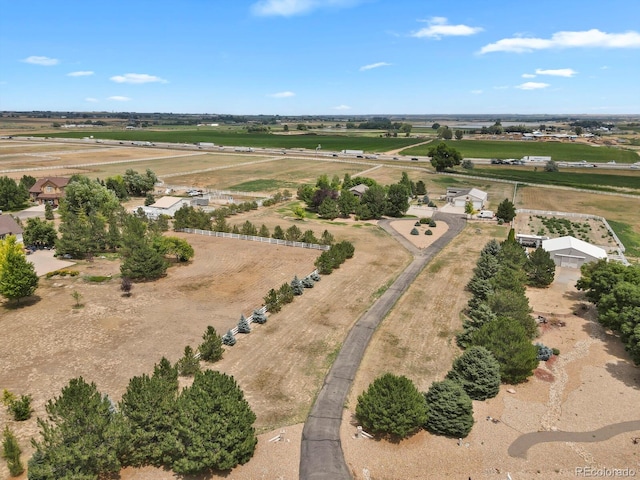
x=460 y=196
x=572 y=252
x=165 y=206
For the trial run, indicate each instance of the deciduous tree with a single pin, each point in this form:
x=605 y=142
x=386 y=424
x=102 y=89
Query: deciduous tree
x=443 y=156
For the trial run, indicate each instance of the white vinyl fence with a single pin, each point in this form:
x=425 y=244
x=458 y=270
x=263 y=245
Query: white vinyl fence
x=253 y=238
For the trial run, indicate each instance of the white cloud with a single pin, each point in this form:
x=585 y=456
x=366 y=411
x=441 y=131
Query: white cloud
x=80 y=74
x=438 y=27
x=528 y=75
x=289 y=8
x=532 y=85
x=44 y=61
x=91 y=99
x=119 y=98
x=501 y=87
x=374 y=65
x=137 y=78
x=589 y=38
x=560 y=72
x=282 y=95
x=342 y=107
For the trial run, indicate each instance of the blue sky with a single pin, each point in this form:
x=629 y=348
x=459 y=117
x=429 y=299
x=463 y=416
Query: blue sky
x=297 y=57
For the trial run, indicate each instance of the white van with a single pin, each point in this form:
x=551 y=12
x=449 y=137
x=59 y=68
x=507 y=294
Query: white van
x=485 y=214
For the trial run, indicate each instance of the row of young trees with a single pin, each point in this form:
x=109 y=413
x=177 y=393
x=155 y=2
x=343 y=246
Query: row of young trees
x=615 y=290
x=205 y=427
x=498 y=315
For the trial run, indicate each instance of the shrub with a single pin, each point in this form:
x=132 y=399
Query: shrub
x=315 y=277
x=424 y=221
x=414 y=231
x=432 y=223
x=450 y=409
x=391 y=405
x=21 y=408
x=417 y=224
x=285 y=294
x=296 y=286
x=555 y=351
x=544 y=352
x=307 y=282
x=428 y=232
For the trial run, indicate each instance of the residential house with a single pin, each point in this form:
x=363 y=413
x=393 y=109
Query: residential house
x=8 y=226
x=48 y=190
x=359 y=190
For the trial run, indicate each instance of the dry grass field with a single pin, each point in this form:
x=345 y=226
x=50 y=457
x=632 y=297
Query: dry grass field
x=281 y=365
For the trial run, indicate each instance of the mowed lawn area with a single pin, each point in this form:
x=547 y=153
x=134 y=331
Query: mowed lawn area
x=567 y=152
x=309 y=141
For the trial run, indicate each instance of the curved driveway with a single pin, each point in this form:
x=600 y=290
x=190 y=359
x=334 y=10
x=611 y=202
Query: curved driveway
x=321 y=456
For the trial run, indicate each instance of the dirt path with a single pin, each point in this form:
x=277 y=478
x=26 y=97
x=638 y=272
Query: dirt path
x=398 y=150
x=321 y=455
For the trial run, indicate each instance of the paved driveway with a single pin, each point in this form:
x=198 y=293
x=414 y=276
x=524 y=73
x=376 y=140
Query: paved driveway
x=321 y=456
x=45 y=262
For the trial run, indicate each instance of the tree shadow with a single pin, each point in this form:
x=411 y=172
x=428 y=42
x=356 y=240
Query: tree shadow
x=626 y=373
x=612 y=343
x=22 y=303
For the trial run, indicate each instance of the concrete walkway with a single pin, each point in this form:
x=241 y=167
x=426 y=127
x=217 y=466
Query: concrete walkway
x=321 y=456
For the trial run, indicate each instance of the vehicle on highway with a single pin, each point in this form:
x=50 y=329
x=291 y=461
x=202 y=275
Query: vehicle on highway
x=414 y=159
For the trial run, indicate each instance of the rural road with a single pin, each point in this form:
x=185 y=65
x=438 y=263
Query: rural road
x=321 y=456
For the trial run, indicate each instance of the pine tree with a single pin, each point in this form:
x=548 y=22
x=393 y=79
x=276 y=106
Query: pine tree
x=211 y=347
x=18 y=278
x=278 y=233
x=506 y=210
x=48 y=211
x=143 y=263
x=478 y=372
x=11 y=452
x=188 y=365
x=491 y=248
x=215 y=425
x=540 y=268
x=391 y=405
x=272 y=302
x=450 y=409
x=149 y=406
x=285 y=294
x=82 y=436
x=264 y=231
x=509 y=343
x=307 y=282
x=243 y=325
x=475 y=319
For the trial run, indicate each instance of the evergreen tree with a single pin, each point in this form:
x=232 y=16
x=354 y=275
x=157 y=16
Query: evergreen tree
x=229 y=339
x=478 y=372
x=18 y=278
x=328 y=209
x=421 y=188
x=506 y=210
x=492 y=247
x=82 y=437
x=296 y=285
x=285 y=294
x=211 y=347
x=391 y=405
x=293 y=234
x=347 y=203
x=13 y=196
x=243 y=325
x=450 y=409
x=514 y=305
x=511 y=346
x=540 y=268
x=397 y=199
x=264 y=231
x=326 y=238
x=149 y=406
x=307 y=282
x=259 y=317
x=272 y=302
x=486 y=267
x=48 y=211
x=278 y=233
x=248 y=228
x=143 y=263
x=474 y=320
x=215 y=425
x=309 y=237
x=188 y=365
x=11 y=452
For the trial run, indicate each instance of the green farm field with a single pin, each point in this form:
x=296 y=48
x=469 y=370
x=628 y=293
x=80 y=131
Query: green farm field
x=605 y=180
x=563 y=152
x=309 y=141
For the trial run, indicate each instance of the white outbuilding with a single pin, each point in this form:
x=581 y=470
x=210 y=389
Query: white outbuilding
x=458 y=197
x=572 y=252
x=165 y=206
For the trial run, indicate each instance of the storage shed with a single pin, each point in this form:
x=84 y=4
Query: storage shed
x=571 y=252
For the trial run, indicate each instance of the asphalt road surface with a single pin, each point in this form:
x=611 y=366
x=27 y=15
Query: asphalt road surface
x=321 y=456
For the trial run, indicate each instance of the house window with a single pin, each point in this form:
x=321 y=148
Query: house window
x=48 y=189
